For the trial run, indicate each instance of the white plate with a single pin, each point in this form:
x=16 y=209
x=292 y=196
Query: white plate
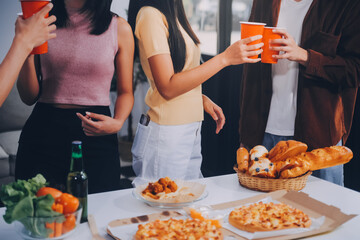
x=168 y=205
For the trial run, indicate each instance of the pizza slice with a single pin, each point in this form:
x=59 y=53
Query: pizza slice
x=268 y=217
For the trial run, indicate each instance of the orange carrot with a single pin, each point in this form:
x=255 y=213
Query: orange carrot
x=52 y=227
x=58 y=226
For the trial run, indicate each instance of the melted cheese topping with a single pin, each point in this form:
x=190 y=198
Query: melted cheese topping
x=189 y=229
x=270 y=216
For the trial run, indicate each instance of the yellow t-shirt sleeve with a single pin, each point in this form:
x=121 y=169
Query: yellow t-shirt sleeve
x=152 y=32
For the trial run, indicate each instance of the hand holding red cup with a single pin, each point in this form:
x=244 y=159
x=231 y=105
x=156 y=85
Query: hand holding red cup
x=268 y=53
x=250 y=29
x=29 y=8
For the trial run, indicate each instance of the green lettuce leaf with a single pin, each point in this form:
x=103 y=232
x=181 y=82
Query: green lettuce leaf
x=22 y=205
x=23 y=209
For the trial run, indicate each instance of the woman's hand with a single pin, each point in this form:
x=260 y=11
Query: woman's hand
x=36 y=29
x=215 y=112
x=97 y=124
x=239 y=52
x=290 y=49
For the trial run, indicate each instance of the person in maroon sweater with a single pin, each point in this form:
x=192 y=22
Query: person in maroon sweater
x=327 y=60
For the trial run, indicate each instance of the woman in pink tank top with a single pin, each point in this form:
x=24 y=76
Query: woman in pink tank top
x=70 y=86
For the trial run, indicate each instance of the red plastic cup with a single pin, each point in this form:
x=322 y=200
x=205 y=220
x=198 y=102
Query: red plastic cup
x=249 y=29
x=266 y=55
x=29 y=8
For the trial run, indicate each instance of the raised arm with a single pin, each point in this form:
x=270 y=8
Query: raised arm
x=171 y=84
x=151 y=31
x=29 y=33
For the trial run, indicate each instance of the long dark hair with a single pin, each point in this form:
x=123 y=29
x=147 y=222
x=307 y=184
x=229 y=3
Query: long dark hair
x=98 y=13
x=173 y=11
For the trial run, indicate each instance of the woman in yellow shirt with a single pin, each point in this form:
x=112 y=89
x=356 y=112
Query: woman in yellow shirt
x=167 y=140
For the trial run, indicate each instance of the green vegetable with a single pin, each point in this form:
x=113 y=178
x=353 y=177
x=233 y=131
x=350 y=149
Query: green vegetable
x=13 y=193
x=22 y=205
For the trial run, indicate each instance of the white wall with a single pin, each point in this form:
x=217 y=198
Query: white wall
x=119 y=6
x=8 y=15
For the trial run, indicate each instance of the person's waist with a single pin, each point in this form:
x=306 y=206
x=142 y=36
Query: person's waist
x=173 y=116
x=83 y=102
x=71 y=108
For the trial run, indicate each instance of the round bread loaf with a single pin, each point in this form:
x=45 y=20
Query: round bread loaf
x=258 y=152
x=262 y=167
x=286 y=149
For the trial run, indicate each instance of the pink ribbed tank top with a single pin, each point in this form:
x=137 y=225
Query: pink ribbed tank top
x=79 y=67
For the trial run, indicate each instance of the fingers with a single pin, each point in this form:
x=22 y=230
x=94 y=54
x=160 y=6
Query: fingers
x=281 y=56
x=254 y=47
x=52 y=27
x=282 y=32
x=51 y=36
x=254 y=53
x=82 y=118
x=96 y=116
x=221 y=119
x=213 y=115
x=88 y=125
x=87 y=122
x=50 y=19
x=45 y=10
x=281 y=48
x=251 y=60
x=279 y=41
x=251 y=39
x=89 y=133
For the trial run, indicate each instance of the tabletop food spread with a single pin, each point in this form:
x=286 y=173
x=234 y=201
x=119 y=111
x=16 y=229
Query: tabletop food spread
x=283 y=212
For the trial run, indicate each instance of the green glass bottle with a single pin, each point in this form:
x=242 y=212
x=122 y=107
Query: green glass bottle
x=77 y=180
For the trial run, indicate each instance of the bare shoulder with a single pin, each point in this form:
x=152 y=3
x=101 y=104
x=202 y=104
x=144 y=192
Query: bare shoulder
x=124 y=27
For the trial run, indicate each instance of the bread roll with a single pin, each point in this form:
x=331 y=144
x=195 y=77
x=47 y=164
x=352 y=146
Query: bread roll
x=326 y=157
x=286 y=149
x=258 y=152
x=242 y=158
x=292 y=167
x=262 y=167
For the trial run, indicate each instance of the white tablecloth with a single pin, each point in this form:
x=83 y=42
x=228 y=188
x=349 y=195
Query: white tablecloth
x=109 y=206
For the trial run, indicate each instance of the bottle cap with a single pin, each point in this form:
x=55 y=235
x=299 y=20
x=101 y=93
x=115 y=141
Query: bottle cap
x=77 y=142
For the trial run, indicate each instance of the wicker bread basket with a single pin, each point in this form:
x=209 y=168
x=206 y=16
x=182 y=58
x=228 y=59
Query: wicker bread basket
x=270 y=184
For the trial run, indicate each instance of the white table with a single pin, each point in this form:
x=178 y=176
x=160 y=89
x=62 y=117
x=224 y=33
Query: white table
x=121 y=204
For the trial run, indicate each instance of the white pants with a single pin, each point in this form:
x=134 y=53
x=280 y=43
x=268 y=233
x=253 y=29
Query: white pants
x=167 y=151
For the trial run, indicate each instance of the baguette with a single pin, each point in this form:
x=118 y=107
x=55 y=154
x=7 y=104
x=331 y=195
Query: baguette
x=286 y=149
x=325 y=157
